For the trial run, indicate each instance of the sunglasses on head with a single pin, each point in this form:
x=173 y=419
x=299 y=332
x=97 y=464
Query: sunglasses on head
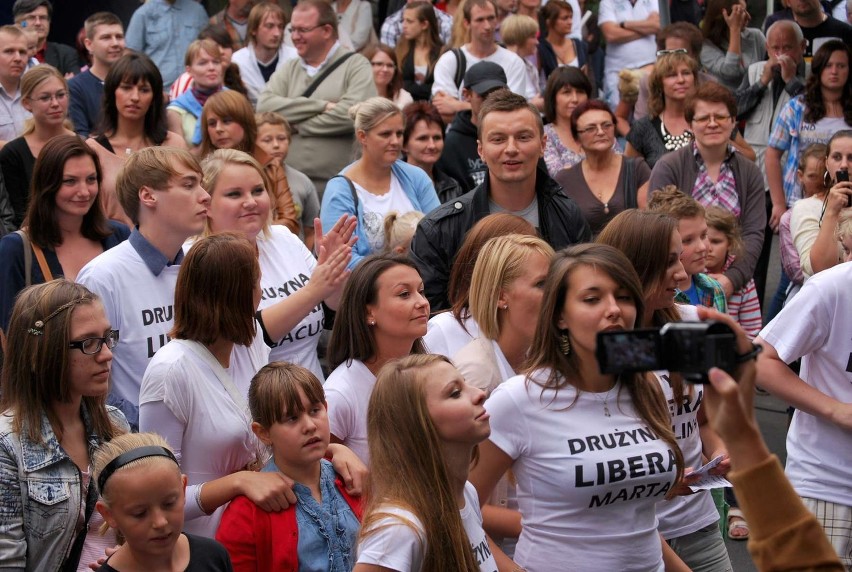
x=661 y=53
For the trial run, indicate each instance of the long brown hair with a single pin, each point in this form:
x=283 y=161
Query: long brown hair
x=36 y=372
x=229 y=104
x=399 y=427
x=425 y=13
x=396 y=80
x=48 y=174
x=814 y=104
x=351 y=338
x=644 y=238
x=545 y=353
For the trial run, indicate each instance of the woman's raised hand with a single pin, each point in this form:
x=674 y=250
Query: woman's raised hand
x=331 y=272
x=342 y=233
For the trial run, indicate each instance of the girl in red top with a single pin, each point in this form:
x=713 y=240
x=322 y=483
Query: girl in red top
x=288 y=407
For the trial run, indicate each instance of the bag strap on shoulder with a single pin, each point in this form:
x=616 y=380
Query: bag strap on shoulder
x=325 y=73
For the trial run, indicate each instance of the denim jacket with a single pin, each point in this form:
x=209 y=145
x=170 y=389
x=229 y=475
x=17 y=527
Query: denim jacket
x=40 y=495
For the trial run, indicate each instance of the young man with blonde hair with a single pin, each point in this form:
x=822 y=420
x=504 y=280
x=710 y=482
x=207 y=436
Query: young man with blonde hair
x=160 y=190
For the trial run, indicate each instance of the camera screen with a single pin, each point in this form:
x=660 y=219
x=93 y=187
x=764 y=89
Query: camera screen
x=637 y=350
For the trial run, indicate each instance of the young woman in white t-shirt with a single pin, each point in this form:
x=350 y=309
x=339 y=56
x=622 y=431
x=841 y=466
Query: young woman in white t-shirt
x=449 y=331
x=424 y=426
x=591 y=453
x=194 y=389
x=382 y=316
x=689 y=522
x=294 y=285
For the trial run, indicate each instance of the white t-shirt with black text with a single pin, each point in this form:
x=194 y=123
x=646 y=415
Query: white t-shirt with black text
x=587 y=484
x=400 y=547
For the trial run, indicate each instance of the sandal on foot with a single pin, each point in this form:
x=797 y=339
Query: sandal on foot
x=737 y=525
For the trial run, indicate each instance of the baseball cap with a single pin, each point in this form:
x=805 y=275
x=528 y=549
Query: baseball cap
x=483 y=77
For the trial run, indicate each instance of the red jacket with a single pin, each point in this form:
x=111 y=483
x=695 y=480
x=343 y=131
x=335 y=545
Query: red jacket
x=259 y=541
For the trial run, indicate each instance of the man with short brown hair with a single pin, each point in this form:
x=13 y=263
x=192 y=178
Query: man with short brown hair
x=511 y=143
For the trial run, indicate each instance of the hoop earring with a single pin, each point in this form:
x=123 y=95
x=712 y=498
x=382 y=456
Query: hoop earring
x=826 y=180
x=565 y=343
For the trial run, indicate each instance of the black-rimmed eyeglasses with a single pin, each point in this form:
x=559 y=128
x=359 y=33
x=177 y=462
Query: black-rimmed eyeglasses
x=93 y=346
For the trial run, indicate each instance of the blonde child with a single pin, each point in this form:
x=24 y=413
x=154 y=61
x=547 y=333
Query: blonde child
x=142 y=498
x=844 y=234
x=725 y=244
x=288 y=409
x=271 y=147
x=399 y=230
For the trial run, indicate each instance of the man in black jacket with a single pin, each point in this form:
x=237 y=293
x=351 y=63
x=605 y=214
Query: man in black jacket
x=511 y=143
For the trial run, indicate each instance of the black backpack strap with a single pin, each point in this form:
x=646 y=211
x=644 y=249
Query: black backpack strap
x=461 y=66
x=629 y=184
x=325 y=73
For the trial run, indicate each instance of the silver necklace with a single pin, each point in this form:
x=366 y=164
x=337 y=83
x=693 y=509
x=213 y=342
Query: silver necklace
x=605 y=400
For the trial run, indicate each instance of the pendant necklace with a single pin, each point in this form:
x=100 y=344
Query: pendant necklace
x=605 y=400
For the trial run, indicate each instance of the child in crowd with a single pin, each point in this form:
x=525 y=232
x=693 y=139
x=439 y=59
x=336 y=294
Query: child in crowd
x=844 y=234
x=142 y=497
x=289 y=415
x=423 y=514
x=725 y=244
x=698 y=289
x=399 y=230
x=271 y=147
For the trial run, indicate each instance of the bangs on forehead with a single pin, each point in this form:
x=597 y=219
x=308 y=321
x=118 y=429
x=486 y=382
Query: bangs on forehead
x=136 y=76
x=179 y=160
x=290 y=402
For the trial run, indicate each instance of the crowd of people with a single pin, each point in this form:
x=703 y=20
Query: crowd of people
x=320 y=285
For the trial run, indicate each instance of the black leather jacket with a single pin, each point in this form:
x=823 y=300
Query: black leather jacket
x=440 y=234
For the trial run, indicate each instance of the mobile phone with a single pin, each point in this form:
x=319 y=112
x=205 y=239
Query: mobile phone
x=842 y=176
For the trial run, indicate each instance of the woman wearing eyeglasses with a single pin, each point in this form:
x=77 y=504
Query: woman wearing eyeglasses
x=54 y=387
x=64 y=228
x=44 y=93
x=665 y=128
x=715 y=174
x=386 y=75
x=604 y=183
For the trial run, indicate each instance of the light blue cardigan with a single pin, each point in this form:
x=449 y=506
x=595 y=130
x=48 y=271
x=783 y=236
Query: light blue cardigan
x=337 y=201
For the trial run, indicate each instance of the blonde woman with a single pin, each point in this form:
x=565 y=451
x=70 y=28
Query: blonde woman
x=44 y=93
x=379 y=182
x=505 y=298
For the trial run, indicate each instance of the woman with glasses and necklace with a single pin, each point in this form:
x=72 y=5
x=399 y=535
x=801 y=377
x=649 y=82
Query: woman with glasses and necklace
x=604 y=183
x=54 y=387
x=44 y=93
x=715 y=174
x=665 y=128
x=65 y=226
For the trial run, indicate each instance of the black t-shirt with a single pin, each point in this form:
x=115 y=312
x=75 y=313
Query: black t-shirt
x=830 y=29
x=205 y=555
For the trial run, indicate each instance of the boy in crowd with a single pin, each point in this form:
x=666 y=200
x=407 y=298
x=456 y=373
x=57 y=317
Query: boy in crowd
x=699 y=288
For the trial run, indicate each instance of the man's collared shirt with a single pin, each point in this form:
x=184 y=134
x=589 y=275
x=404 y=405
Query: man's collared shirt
x=12 y=115
x=311 y=70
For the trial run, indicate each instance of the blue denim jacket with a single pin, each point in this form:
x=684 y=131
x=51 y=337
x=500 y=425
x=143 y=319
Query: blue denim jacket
x=40 y=495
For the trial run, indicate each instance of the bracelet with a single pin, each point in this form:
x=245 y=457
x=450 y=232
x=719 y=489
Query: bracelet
x=756 y=349
x=198 y=499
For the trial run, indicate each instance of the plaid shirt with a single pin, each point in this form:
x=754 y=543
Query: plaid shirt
x=722 y=193
x=710 y=293
x=785 y=137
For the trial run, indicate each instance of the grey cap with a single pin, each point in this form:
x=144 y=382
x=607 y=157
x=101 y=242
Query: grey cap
x=483 y=77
